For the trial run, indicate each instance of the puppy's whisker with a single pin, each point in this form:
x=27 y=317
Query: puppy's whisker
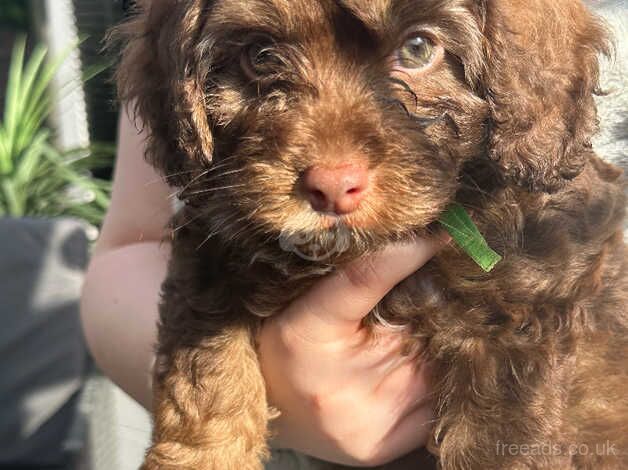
x=211 y=190
x=179 y=173
x=165 y=178
x=241 y=230
x=227 y=161
x=472 y=184
x=179 y=192
x=185 y=224
x=485 y=195
x=216 y=230
x=194 y=180
x=226 y=173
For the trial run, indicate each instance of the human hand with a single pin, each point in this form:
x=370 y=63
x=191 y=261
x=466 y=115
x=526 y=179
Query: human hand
x=344 y=398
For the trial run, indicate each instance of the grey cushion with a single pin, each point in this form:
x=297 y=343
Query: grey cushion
x=42 y=353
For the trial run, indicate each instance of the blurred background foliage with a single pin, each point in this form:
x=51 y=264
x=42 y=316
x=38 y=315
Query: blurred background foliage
x=89 y=170
x=36 y=178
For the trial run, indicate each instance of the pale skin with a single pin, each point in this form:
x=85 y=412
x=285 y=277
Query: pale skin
x=342 y=399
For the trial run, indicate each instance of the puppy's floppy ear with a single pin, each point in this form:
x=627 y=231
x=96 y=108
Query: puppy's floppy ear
x=540 y=77
x=161 y=78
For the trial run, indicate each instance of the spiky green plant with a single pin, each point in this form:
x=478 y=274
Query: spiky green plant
x=36 y=179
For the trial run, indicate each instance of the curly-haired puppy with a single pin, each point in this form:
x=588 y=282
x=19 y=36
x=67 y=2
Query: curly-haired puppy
x=332 y=127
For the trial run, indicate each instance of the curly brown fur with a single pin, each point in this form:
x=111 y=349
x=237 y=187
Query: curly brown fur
x=532 y=355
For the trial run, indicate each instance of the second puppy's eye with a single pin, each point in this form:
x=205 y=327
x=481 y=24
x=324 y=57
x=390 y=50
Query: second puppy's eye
x=416 y=53
x=259 y=60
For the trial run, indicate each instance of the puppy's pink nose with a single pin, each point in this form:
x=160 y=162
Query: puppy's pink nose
x=339 y=190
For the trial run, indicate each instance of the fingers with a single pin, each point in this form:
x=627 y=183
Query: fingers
x=336 y=305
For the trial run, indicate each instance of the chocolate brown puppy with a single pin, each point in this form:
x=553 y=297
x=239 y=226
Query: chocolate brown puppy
x=303 y=134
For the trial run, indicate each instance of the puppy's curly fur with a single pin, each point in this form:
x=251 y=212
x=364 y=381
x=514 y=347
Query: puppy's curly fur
x=533 y=354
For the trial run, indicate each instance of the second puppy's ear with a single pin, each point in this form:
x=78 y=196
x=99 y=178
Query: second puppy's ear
x=540 y=77
x=161 y=79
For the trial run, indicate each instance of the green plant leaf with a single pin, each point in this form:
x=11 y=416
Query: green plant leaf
x=467 y=236
x=31 y=122
x=13 y=207
x=31 y=70
x=35 y=178
x=25 y=130
x=96 y=69
x=31 y=158
x=4 y=149
x=12 y=103
x=33 y=111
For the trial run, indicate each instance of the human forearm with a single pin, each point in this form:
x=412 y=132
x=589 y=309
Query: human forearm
x=119 y=313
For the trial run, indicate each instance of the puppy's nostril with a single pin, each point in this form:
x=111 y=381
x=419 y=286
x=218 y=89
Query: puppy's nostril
x=339 y=190
x=319 y=199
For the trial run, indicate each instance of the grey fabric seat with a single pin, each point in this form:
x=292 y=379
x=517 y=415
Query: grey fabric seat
x=42 y=353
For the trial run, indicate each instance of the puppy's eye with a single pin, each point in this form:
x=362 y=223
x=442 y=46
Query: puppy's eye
x=259 y=60
x=416 y=53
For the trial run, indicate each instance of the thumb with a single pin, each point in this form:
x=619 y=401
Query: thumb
x=335 y=306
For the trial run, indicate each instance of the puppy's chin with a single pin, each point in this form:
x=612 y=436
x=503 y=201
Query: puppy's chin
x=340 y=242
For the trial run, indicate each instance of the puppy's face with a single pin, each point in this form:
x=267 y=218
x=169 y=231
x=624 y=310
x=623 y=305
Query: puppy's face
x=312 y=118
x=335 y=116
